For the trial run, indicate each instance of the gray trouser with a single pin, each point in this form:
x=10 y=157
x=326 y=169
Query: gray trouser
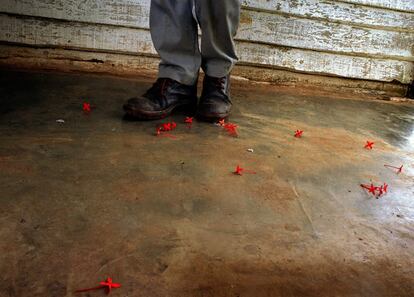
x=174 y=34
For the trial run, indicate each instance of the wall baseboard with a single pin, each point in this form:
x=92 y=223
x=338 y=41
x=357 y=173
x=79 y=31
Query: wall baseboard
x=30 y=58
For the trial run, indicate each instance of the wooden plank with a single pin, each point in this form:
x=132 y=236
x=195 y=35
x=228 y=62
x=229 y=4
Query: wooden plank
x=255 y=26
x=322 y=36
x=326 y=63
x=335 y=11
x=104 y=38
x=135 y=13
x=403 y=5
x=145 y=67
x=75 y=60
x=129 y=13
x=258 y=27
x=46 y=32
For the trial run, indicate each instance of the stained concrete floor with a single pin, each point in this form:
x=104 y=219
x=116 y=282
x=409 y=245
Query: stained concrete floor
x=99 y=196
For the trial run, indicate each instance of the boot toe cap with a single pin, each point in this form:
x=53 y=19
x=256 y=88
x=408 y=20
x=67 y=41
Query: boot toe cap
x=214 y=108
x=139 y=104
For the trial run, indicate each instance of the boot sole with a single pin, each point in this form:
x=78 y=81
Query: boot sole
x=156 y=115
x=212 y=117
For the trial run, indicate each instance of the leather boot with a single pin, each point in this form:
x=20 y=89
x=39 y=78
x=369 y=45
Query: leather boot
x=215 y=100
x=161 y=99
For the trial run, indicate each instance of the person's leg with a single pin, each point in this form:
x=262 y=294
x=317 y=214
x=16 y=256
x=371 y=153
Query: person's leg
x=174 y=35
x=219 y=21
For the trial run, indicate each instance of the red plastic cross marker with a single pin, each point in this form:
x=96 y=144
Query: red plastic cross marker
x=373 y=189
x=298 y=133
x=369 y=145
x=382 y=189
x=385 y=187
x=189 y=122
x=108 y=285
x=231 y=129
x=165 y=128
x=239 y=171
x=86 y=107
x=399 y=169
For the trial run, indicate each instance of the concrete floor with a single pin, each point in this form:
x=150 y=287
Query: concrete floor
x=99 y=196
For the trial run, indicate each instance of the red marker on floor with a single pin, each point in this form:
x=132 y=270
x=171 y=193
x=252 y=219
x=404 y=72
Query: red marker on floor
x=231 y=129
x=161 y=129
x=189 y=121
x=239 y=171
x=373 y=189
x=382 y=189
x=86 y=107
x=108 y=285
x=399 y=169
x=369 y=145
x=298 y=133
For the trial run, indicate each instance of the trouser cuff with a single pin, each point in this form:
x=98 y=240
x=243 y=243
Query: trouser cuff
x=216 y=68
x=177 y=74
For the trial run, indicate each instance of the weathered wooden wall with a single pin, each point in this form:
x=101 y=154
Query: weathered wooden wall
x=358 y=39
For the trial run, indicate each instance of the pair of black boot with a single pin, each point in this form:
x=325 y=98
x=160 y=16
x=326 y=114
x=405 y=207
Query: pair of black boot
x=167 y=94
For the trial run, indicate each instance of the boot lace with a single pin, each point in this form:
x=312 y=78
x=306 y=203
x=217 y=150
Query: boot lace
x=219 y=82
